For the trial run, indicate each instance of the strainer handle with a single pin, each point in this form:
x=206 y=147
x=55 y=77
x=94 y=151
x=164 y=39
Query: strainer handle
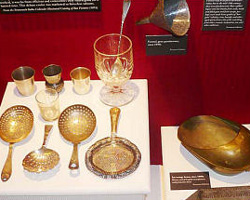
x=114 y=115
x=7 y=169
x=74 y=162
x=47 y=130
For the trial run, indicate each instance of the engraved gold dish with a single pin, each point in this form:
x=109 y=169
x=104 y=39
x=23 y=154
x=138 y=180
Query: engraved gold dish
x=76 y=124
x=221 y=144
x=42 y=159
x=16 y=124
x=113 y=157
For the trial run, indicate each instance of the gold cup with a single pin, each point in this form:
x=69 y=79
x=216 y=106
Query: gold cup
x=48 y=103
x=80 y=77
x=24 y=79
x=53 y=75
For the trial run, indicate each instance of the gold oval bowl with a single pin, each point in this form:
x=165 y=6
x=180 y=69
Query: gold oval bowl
x=221 y=144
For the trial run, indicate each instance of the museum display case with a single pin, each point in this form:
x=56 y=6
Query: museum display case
x=104 y=99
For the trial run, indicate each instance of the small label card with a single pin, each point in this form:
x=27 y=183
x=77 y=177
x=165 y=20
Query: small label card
x=165 y=45
x=224 y=15
x=189 y=180
x=37 y=6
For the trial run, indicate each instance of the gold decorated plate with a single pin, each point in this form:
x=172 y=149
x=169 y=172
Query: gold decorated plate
x=113 y=158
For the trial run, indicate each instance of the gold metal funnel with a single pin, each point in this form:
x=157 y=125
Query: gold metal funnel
x=171 y=15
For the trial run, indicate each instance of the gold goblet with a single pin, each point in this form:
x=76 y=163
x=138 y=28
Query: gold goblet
x=114 y=66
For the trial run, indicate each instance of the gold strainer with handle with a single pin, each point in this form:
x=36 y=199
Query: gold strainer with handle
x=76 y=124
x=16 y=124
x=43 y=159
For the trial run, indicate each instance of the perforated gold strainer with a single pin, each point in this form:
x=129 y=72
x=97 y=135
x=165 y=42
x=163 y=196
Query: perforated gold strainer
x=16 y=124
x=43 y=159
x=76 y=123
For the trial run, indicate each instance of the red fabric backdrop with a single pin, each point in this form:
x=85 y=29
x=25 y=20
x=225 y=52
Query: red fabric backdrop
x=213 y=78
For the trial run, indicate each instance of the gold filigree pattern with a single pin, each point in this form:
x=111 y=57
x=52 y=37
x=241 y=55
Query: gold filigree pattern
x=113 y=158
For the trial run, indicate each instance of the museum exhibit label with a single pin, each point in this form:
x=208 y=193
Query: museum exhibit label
x=37 y=6
x=189 y=180
x=224 y=15
x=166 y=45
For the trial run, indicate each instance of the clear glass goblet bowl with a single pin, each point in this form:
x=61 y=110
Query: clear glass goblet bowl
x=114 y=66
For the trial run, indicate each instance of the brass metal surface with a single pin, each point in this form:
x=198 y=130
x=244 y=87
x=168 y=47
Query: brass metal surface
x=221 y=144
x=42 y=159
x=113 y=157
x=80 y=77
x=80 y=73
x=24 y=80
x=76 y=124
x=16 y=124
x=57 y=86
x=222 y=193
x=52 y=73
